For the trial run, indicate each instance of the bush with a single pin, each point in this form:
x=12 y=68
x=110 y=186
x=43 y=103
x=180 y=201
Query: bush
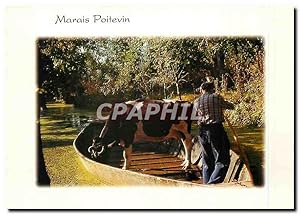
x=249 y=106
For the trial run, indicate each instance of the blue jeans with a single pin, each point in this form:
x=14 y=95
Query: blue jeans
x=215 y=153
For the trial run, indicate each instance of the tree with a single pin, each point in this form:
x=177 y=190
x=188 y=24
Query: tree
x=176 y=60
x=90 y=71
x=61 y=67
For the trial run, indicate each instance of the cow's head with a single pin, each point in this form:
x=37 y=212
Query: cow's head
x=107 y=138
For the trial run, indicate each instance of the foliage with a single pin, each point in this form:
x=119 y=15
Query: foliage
x=249 y=108
x=61 y=67
x=87 y=72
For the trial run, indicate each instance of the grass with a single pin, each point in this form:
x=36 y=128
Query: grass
x=65 y=168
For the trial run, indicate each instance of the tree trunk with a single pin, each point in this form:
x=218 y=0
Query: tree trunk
x=224 y=83
x=219 y=63
x=194 y=91
x=43 y=177
x=178 y=90
x=165 y=91
x=42 y=101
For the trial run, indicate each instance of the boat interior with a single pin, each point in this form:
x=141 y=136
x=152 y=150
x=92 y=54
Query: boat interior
x=159 y=159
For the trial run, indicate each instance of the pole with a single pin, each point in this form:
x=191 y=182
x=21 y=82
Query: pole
x=238 y=144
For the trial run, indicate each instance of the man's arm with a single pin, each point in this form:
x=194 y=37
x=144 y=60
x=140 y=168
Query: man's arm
x=226 y=104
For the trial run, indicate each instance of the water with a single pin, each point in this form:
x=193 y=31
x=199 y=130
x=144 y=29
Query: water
x=68 y=116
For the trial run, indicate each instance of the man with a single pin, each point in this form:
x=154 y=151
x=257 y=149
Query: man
x=213 y=138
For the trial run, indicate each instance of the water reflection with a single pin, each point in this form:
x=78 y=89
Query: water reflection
x=69 y=117
x=78 y=121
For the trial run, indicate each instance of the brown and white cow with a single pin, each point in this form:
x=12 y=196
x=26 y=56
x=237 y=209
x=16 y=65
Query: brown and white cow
x=146 y=120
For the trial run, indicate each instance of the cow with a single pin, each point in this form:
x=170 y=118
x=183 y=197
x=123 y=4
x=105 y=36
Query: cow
x=145 y=120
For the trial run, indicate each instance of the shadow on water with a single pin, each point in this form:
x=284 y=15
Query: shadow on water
x=60 y=125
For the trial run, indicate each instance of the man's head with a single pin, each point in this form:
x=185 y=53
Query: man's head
x=207 y=87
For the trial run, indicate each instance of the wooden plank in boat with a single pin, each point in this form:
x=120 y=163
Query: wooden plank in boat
x=156 y=165
x=151 y=156
x=148 y=160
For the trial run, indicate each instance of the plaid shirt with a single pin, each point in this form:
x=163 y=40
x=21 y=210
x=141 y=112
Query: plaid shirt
x=210 y=107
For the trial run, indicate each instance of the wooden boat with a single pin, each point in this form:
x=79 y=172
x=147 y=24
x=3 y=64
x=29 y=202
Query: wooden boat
x=154 y=164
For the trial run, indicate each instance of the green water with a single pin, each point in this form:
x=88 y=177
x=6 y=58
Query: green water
x=60 y=124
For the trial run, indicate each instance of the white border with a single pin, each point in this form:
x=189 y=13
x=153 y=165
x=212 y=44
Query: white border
x=25 y=24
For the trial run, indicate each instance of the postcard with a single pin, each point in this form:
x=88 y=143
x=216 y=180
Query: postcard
x=149 y=106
